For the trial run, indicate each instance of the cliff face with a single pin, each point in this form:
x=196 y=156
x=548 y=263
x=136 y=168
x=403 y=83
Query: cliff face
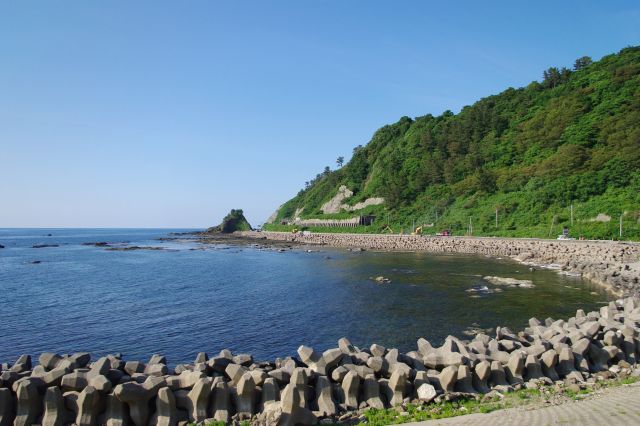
x=555 y=153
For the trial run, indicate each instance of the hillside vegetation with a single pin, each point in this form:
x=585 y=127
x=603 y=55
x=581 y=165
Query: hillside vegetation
x=528 y=154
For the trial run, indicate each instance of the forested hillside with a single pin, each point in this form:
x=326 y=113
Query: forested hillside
x=524 y=156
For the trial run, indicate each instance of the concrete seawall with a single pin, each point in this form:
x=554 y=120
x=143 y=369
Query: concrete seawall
x=614 y=265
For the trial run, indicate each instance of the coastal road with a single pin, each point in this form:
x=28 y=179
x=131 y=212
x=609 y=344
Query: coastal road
x=613 y=406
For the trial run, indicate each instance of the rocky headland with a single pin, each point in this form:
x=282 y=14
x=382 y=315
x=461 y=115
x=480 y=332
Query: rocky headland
x=232 y=222
x=336 y=385
x=614 y=265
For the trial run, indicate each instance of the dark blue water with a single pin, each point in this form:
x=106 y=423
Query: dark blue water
x=181 y=301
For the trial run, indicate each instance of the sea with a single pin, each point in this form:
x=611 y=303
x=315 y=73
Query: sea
x=61 y=293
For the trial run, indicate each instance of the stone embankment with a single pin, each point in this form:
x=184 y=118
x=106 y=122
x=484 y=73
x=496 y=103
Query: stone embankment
x=614 y=265
x=336 y=385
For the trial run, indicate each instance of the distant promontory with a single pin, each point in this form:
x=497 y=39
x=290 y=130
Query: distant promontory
x=234 y=221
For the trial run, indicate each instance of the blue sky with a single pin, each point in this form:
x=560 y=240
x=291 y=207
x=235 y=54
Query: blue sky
x=170 y=113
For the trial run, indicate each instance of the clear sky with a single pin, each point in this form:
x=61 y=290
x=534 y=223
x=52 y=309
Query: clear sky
x=170 y=113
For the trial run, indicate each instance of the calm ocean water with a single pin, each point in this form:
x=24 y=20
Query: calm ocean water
x=181 y=301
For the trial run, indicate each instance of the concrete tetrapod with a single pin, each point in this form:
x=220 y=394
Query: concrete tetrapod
x=220 y=401
x=464 y=381
x=424 y=390
x=566 y=365
x=243 y=359
x=371 y=392
x=397 y=387
x=378 y=364
x=312 y=359
x=29 y=404
x=346 y=347
x=498 y=377
x=201 y=357
x=448 y=377
x=132 y=367
x=533 y=369
x=88 y=407
x=245 y=397
x=377 y=350
x=481 y=373
x=332 y=357
x=185 y=380
x=259 y=376
x=599 y=358
x=270 y=398
x=338 y=374
x=299 y=379
x=580 y=349
x=78 y=380
x=515 y=368
x=54 y=377
x=234 y=372
x=292 y=412
x=137 y=397
x=22 y=364
x=629 y=346
x=55 y=413
x=195 y=401
x=324 y=402
x=49 y=360
x=549 y=359
x=116 y=412
x=351 y=388
x=166 y=412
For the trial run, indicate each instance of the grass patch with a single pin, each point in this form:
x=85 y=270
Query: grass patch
x=522 y=397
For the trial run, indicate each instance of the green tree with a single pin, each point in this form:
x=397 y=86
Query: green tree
x=553 y=76
x=340 y=161
x=582 y=62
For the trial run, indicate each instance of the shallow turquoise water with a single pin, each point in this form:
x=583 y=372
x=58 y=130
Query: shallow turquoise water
x=181 y=301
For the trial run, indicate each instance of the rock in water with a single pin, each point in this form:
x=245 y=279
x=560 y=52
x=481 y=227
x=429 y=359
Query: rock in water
x=511 y=282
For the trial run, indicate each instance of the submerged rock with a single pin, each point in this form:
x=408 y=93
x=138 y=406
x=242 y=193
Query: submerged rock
x=510 y=282
x=97 y=244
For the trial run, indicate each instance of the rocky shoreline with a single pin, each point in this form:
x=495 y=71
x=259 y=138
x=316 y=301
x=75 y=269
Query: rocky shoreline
x=337 y=385
x=613 y=265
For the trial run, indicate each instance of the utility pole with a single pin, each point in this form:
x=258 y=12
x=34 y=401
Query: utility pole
x=552 y=222
x=620 y=226
x=571 y=214
x=436 y=215
x=496 y=217
x=470 y=227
